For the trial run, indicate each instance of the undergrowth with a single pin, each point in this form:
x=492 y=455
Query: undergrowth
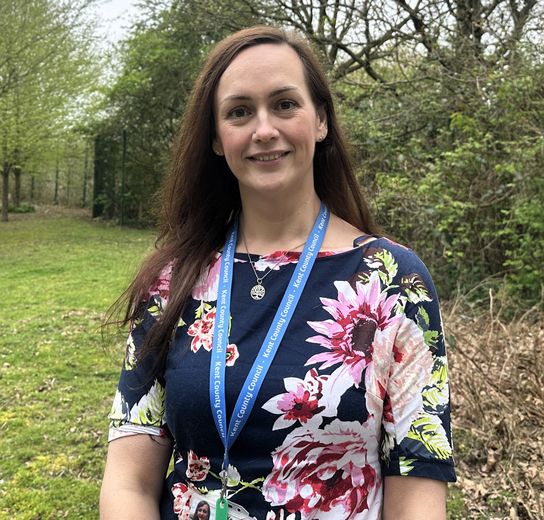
x=497 y=381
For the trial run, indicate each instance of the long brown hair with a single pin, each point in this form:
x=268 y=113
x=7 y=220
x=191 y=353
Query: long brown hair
x=200 y=194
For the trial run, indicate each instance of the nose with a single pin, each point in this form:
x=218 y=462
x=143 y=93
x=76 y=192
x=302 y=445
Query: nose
x=265 y=130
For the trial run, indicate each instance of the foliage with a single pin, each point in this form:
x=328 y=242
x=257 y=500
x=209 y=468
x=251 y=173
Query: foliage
x=23 y=208
x=46 y=72
x=496 y=381
x=159 y=62
x=453 y=171
x=58 y=380
x=445 y=119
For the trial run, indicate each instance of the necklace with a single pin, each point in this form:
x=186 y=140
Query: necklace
x=258 y=291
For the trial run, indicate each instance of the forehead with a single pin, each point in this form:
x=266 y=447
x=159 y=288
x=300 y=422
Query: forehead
x=262 y=66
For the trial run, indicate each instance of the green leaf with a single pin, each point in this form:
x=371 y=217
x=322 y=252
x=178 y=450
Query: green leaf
x=422 y=318
x=384 y=262
x=436 y=394
x=428 y=430
x=130 y=354
x=406 y=465
x=119 y=410
x=431 y=338
x=151 y=406
x=202 y=309
x=414 y=288
x=155 y=311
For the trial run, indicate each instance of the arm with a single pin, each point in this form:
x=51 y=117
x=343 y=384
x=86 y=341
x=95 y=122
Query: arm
x=414 y=498
x=134 y=476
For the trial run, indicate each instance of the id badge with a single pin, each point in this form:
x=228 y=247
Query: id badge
x=206 y=505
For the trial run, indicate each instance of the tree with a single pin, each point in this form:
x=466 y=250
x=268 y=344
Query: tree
x=159 y=62
x=44 y=64
x=443 y=100
x=357 y=35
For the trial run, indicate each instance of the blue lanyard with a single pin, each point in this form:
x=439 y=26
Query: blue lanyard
x=257 y=373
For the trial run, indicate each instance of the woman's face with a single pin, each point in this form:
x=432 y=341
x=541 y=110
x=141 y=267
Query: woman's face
x=203 y=512
x=266 y=122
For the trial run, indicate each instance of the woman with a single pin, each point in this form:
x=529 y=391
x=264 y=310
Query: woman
x=301 y=372
x=202 y=511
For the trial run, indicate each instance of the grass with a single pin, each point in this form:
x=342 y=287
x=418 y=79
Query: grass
x=57 y=372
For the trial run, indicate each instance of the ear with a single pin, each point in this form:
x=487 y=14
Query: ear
x=217 y=148
x=321 y=123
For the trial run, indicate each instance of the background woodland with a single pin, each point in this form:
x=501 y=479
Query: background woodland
x=443 y=101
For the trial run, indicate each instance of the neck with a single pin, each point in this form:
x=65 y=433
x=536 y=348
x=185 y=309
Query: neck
x=269 y=225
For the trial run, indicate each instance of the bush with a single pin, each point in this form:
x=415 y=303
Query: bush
x=454 y=170
x=22 y=208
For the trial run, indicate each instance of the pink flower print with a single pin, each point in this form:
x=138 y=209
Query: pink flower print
x=276 y=259
x=205 y=288
x=300 y=402
x=162 y=285
x=279 y=258
x=361 y=316
x=409 y=374
x=322 y=470
x=182 y=501
x=202 y=331
x=387 y=411
x=232 y=354
x=197 y=467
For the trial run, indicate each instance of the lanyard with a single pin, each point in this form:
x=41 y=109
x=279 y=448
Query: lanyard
x=257 y=373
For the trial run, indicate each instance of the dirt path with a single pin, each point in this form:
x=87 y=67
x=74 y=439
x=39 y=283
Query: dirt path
x=50 y=211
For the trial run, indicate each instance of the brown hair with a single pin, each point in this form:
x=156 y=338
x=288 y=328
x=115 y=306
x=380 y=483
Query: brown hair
x=200 y=194
x=198 y=506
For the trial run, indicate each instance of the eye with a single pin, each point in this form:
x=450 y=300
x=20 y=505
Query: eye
x=286 y=105
x=237 y=113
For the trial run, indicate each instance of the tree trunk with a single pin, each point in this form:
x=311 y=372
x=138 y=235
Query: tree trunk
x=85 y=177
x=56 y=196
x=17 y=173
x=68 y=178
x=469 y=29
x=32 y=187
x=123 y=167
x=5 y=190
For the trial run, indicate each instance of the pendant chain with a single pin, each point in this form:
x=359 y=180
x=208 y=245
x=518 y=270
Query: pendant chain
x=258 y=291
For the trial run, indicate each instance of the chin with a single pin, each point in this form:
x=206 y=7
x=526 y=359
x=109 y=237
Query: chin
x=267 y=186
x=283 y=183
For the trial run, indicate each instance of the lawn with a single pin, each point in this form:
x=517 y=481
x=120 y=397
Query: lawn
x=58 y=276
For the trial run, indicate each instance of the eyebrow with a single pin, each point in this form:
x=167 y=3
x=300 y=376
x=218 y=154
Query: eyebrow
x=243 y=97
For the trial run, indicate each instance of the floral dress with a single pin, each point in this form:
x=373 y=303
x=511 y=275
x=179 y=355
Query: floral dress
x=358 y=389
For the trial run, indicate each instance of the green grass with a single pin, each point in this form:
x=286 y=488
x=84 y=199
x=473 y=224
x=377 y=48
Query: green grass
x=57 y=373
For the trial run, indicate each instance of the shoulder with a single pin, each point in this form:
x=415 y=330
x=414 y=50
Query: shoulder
x=340 y=235
x=383 y=249
x=161 y=286
x=400 y=270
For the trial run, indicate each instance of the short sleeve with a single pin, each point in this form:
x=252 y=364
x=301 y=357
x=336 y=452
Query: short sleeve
x=416 y=431
x=138 y=406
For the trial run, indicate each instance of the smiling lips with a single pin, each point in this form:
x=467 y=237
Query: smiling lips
x=271 y=156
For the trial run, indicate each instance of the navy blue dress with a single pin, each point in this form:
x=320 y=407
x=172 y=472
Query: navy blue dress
x=357 y=391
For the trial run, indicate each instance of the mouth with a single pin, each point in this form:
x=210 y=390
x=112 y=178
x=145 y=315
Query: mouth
x=267 y=157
